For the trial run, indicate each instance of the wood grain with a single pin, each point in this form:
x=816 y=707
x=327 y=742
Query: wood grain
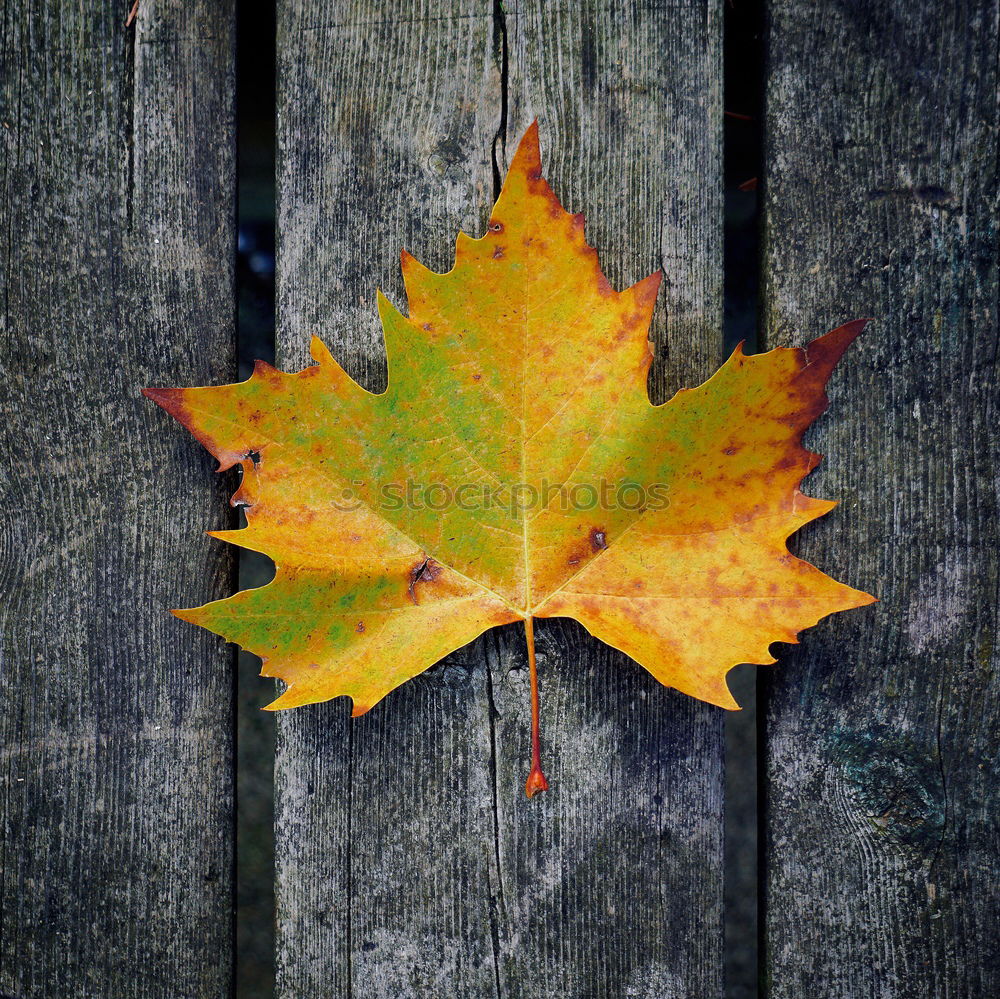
x=116 y=272
x=611 y=885
x=409 y=861
x=881 y=762
x=384 y=824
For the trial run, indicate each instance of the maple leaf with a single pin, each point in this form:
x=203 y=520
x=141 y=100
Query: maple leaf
x=514 y=469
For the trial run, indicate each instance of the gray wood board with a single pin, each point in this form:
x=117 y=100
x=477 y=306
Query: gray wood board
x=881 y=765
x=115 y=728
x=409 y=861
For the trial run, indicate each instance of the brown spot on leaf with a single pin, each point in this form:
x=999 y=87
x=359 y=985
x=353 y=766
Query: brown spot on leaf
x=788 y=461
x=423 y=572
x=598 y=539
x=360 y=627
x=496 y=225
x=497 y=252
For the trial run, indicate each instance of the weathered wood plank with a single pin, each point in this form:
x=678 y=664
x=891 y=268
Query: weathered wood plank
x=611 y=885
x=116 y=271
x=881 y=792
x=409 y=861
x=384 y=825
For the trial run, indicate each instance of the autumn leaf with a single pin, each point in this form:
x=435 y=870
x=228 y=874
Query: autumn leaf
x=514 y=469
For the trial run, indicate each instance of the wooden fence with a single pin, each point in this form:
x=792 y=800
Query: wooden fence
x=408 y=861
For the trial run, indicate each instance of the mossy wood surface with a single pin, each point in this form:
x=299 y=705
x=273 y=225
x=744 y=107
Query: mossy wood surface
x=881 y=729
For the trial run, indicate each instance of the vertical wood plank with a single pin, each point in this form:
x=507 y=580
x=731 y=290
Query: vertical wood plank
x=612 y=884
x=116 y=271
x=881 y=762
x=409 y=861
x=384 y=824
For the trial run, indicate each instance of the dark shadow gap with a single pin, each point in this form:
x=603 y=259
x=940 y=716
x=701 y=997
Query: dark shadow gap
x=255 y=729
x=742 y=138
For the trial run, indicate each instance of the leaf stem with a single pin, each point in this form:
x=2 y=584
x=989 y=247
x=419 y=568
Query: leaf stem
x=536 y=779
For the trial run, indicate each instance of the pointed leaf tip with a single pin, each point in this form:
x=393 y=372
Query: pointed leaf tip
x=168 y=399
x=648 y=288
x=319 y=352
x=387 y=312
x=727 y=701
x=824 y=352
x=528 y=158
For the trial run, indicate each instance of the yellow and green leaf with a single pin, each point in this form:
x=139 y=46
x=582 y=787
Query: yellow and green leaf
x=514 y=469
